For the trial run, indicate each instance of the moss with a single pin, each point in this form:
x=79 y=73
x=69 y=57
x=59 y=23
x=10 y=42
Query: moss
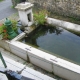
x=72 y=19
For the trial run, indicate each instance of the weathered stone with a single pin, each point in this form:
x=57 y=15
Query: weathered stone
x=63 y=7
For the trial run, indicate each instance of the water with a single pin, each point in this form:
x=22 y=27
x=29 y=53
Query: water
x=57 y=41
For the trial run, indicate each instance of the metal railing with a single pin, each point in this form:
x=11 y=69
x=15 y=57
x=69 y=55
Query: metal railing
x=3 y=61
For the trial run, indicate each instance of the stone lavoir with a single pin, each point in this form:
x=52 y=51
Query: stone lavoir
x=46 y=61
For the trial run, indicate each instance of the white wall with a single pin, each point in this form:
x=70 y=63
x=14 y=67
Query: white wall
x=24 y=10
x=18 y=49
x=67 y=70
x=64 y=24
x=58 y=66
x=5 y=44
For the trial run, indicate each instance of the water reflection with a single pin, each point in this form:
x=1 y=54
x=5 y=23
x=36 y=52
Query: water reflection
x=57 y=41
x=42 y=31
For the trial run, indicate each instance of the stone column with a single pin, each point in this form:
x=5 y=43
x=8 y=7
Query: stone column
x=25 y=13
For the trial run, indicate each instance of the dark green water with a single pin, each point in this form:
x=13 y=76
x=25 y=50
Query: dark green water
x=57 y=41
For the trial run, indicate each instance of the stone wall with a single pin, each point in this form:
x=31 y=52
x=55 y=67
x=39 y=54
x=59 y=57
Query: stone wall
x=15 y=2
x=69 y=8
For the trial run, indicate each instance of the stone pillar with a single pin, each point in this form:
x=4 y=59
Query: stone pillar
x=25 y=13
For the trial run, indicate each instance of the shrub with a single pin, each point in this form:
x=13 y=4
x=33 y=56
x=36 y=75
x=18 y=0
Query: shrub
x=14 y=25
x=1 y=0
x=3 y=29
x=39 y=17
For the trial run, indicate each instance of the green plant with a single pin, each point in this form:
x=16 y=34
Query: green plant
x=39 y=17
x=1 y=0
x=3 y=29
x=14 y=25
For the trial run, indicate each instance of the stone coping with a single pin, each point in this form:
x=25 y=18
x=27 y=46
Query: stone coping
x=24 y=6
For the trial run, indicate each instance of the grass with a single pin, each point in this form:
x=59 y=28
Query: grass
x=1 y=0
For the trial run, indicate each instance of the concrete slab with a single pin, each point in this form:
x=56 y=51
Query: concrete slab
x=3 y=77
x=28 y=72
x=16 y=64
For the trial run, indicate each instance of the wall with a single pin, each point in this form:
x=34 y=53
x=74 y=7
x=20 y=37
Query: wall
x=48 y=62
x=5 y=44
x=64 y=24
x=69 y=8
x=53 y=64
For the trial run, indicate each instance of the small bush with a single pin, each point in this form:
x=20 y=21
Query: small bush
x=3 y=29
x=1 y=0
x=14 y=26
x=39 y=17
